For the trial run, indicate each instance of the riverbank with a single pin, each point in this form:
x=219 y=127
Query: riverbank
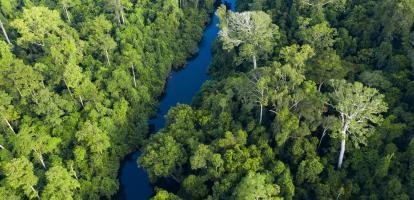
x=181 y=86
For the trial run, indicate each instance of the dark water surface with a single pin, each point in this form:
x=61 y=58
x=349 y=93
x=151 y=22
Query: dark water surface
x=181 y=87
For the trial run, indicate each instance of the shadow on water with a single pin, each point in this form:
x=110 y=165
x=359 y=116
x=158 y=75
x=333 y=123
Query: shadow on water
x=181 y=87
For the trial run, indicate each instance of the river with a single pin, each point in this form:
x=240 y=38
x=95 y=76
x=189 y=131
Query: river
x=181 y=87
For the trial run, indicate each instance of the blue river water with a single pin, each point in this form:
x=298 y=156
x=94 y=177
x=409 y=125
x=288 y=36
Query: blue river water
x=181 y=87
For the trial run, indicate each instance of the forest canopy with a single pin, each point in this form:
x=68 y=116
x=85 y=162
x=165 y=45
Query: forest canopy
x=309 y=99
x=78 y=81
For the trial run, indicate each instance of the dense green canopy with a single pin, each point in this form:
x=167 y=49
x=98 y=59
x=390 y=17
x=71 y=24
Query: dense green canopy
x=327 y=113
x=78 y=82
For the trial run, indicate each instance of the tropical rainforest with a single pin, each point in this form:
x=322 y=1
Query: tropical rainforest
x=309 y=99
x=78 y=82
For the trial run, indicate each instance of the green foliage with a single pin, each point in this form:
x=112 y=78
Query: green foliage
x=296 y=55
x=252 y=32
x=20 y=177
x=359 y=108
x=286 y=124
x=92 y=137
x=256 y=186
x=38 y=26
x=7 y=110
x=164 y=195
x=309 y=170
x=60 y=184
x=319 y=36
x=163 y=157
x=78 y=82
x=200 y=157
x=194 y=187
x=325 y=66
x=288 y=105
x=79 y=79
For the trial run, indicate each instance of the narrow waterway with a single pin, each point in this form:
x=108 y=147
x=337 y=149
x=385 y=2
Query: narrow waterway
x=181 y=87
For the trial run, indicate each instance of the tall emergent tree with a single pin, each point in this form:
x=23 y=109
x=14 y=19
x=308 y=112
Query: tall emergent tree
x=359 y=109
x=252 y=32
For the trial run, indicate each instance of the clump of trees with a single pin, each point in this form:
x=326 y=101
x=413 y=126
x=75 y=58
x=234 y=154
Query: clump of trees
x=78 y=82
x=324 y=113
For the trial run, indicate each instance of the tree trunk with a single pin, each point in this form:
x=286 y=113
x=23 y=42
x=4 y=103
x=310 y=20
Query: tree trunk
x=175 y=178
x=107 y=57
x=323 y=135
x=73 y=171
x=4 y=32
x=35 y=191
x=41 y=159
x=341 y=153
x=117 y=11
x=320 y=86
x=1 y=146
x=81 y=100
x=122 y=17
x=18 y=90
x=261 y=113
x=117 y=15
x=133 y=74
x=67 y=13
x=254 y=62
x=67 y=87
x=122 y=13
x=74 y=174
x=339 y=195
x=8 y=123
